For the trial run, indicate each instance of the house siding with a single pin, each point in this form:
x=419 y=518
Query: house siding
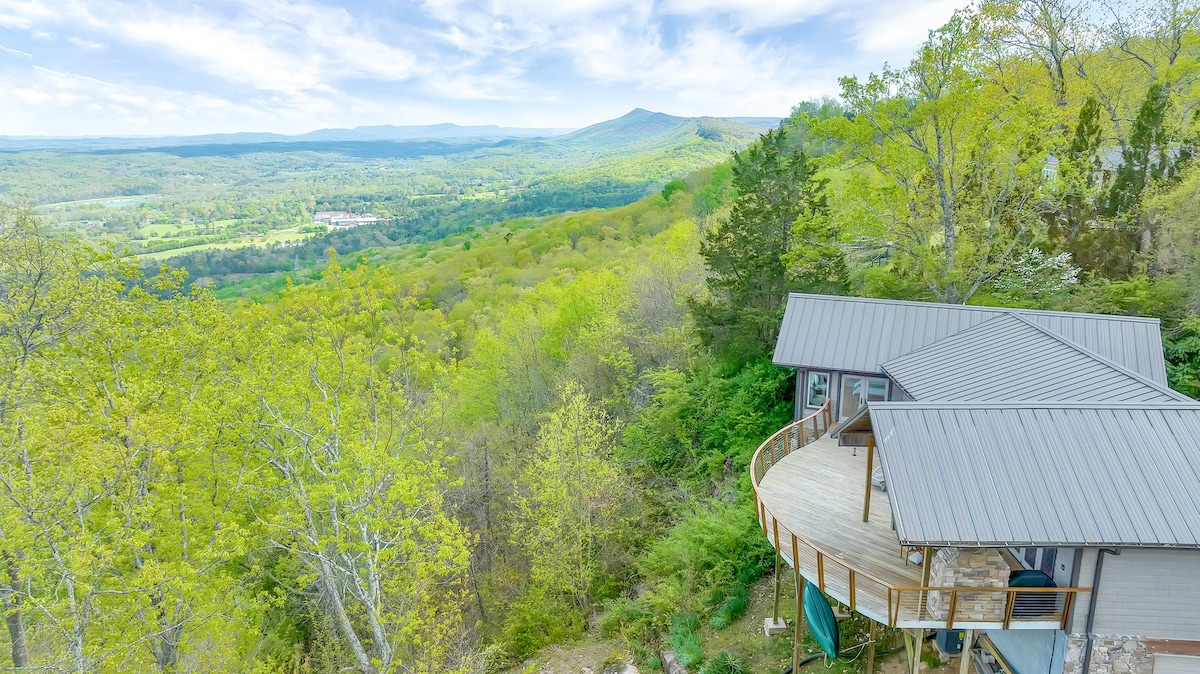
x=1148 y=593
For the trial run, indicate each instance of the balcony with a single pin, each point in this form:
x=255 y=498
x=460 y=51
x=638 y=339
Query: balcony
x=810 y=495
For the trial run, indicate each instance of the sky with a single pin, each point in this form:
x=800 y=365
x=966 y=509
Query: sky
x=78 y=68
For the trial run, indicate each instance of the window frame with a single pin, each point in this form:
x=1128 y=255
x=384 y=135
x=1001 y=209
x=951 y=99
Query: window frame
x=808 y=404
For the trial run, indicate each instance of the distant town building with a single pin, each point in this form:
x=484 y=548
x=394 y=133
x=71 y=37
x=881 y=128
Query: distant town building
x=345 y=219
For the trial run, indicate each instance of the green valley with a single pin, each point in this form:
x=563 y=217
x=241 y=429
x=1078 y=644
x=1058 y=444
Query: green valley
x=240 y=208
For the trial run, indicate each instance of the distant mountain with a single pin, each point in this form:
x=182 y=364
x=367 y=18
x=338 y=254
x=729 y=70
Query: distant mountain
x=389 y=132
x=764 y=122
x=641 y=127
x=359 y=134
x=632 y=128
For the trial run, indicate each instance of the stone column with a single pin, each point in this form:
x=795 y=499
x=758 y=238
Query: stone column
x=1111 y=654
x=968 y=567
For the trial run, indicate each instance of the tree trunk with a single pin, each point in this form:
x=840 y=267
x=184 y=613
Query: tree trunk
x=335 y=601
x=946 y=204
x=13 y=616
x=16 y=631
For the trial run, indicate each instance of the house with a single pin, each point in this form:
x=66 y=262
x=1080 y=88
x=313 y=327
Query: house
x=1106 y=162
x=1023 y=478
x=345 y=219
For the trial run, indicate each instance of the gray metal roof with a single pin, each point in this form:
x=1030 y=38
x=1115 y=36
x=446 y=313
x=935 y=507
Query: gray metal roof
x=859 y=334
x=1009 y=358
x=1042 y=474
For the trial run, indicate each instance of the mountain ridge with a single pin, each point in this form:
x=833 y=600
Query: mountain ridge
x=635 y=125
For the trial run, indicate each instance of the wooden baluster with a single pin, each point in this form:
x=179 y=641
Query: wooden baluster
x=953 y=609
x=1068 y=598
x=1010 y=599
x=853 y=593
x=821 y=570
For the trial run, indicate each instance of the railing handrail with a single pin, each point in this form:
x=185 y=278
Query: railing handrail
x=820 y=423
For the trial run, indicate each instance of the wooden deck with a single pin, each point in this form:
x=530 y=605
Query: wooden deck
x=815 y=488
x=817 y=493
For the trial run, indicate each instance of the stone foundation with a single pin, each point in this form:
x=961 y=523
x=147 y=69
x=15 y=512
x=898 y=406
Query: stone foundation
x=1111 y=654
x=968 y=567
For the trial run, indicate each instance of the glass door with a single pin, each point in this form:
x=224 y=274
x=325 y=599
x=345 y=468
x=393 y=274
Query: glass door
x=857 y=391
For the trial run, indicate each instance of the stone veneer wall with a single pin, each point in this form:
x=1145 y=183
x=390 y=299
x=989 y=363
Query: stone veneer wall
x=968 y=567
x=1110 y=655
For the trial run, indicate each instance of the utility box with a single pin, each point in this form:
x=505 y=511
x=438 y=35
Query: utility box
x=949 y=641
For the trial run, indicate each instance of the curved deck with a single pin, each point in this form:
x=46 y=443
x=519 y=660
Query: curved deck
x=809 y=495
x=813 y=496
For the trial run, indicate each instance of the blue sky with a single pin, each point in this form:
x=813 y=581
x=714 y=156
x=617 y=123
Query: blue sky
x=71 y=67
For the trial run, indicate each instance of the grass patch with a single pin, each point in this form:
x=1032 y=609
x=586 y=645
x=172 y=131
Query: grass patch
x=724 y=663
x=244 y=242
x=686 y=640
x=731 y=609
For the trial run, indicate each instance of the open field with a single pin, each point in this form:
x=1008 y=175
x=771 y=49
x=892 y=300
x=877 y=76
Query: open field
x=164 y=229
x=109 y=202
x=282 y=236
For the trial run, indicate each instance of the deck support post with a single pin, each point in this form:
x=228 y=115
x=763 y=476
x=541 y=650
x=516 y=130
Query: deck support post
x=914 y=641
x=775 y=607
x=964 y=664
x=870 y=464
x=908 y=650
x=870 y=650
x=798 y=623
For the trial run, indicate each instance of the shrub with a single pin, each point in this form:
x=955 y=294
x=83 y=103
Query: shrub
x=710 y=548
x=539 y=619
x=630 y=618
x=734 y=607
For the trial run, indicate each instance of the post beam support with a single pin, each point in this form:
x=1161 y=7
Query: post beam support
x=870 y=465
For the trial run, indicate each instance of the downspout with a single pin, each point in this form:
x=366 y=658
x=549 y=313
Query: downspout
x=1091 y=616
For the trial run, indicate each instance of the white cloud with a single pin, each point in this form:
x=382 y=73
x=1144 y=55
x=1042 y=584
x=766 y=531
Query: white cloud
x=86 y=45
x=294 y=65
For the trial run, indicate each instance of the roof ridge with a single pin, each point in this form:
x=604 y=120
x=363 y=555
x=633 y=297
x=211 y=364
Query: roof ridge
x=976 y=307
x=1031 y=404
x=941 y=342
x=1090 y=354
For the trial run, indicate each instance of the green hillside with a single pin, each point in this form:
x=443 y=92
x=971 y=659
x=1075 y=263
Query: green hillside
x=222 y=205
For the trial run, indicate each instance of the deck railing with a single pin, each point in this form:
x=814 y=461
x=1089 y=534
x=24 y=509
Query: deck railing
x=963 y=606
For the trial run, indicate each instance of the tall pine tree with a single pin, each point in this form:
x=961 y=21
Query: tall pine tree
x=748 y=282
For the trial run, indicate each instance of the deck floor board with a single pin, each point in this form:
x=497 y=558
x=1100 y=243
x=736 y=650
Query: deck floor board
x=817 y=492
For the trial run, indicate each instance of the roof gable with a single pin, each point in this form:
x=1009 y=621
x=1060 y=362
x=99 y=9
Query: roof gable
x=858 y=334
x=1009 y=357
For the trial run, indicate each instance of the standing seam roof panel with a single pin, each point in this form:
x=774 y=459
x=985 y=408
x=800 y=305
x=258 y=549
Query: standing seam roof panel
x=1010 y=358
x=1008 y=497
x=880 y=330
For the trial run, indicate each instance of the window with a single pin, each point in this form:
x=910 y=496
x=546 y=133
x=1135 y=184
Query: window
x=818 y=389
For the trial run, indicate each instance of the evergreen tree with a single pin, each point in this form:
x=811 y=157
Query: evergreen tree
x=1086 y=141
x=748 y=282
x=1146 y=157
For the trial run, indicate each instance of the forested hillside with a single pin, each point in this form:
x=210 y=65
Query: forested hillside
x=221 y=206
x=446 y=455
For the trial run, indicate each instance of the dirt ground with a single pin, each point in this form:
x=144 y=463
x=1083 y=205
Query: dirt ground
x=744 y=638
x=586 y=654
